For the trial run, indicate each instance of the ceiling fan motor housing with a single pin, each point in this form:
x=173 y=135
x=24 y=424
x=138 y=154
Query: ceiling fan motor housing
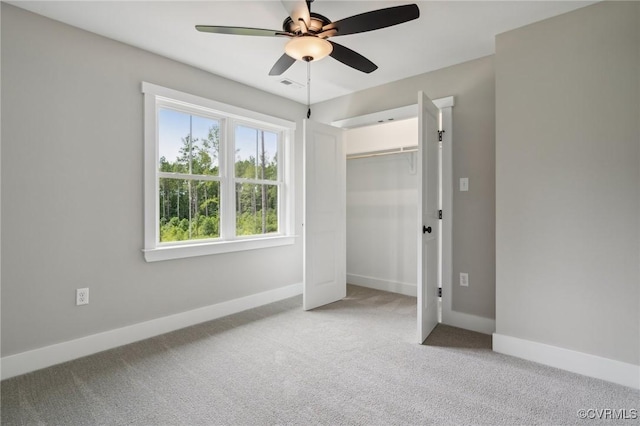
x=315 y=25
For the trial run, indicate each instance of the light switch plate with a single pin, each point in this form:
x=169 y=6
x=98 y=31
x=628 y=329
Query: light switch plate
x=464 y=184
x=464 y=279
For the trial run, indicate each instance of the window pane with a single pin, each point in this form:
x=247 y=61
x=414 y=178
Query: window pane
x=187 y=143
x=189 y=209
x=173 y=135
x=256 y=209
x=256 y=153
x=205 y=147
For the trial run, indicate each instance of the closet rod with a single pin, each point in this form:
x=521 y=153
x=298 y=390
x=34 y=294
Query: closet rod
x=381 y=153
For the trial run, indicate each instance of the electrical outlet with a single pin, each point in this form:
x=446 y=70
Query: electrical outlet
x=82 y=296
x=464 y=279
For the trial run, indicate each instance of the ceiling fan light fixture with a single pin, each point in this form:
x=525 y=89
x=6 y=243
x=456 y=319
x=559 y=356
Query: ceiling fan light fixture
x=305 y=47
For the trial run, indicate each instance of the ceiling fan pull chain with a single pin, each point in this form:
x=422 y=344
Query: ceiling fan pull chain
x=308 y=89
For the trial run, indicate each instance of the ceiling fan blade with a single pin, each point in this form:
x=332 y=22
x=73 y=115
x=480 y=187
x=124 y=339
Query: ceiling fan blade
x=241 y=31
x=282 y=65
x=298 y=9
x=352 y=59
x=375 y=19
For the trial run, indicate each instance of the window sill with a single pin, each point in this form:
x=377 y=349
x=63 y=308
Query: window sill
x=204 y=249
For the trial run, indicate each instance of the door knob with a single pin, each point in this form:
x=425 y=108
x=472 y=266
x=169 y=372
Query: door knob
x=426 y=229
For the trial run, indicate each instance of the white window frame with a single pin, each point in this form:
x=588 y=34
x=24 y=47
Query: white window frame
x=229 y=116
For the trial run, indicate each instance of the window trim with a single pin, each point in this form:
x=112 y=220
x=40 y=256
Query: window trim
x=230 y=116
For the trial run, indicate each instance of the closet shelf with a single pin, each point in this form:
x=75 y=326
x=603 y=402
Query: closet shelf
x=413 y=148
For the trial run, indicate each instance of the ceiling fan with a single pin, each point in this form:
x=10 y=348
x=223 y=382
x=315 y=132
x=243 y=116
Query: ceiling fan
x=308 y=33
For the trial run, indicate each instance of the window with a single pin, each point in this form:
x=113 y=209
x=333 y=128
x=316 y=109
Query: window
x=217 y=177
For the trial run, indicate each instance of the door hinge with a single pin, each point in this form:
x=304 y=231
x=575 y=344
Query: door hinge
x=439 y=291
x=439 y=214
x=440 y=132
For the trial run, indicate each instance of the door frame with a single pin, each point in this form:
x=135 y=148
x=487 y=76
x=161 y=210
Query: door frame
x=445 y=105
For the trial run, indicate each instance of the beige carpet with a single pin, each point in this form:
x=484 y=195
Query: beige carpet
x=352 y=362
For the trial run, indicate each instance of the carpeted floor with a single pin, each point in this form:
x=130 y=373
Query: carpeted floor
x=351 y=362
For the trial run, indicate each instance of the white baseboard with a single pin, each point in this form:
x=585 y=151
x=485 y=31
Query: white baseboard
x=577 y=362
x=468 y=321
x=384 y=285
x=25 y=362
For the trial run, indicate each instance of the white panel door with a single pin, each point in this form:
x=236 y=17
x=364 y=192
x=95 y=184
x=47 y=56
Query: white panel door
x=325 y=230
x=427 y=170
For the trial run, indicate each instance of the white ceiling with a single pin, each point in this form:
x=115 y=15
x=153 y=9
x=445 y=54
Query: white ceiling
x=447 y=33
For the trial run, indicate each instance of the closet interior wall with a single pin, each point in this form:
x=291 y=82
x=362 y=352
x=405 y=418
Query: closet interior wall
x=382 y=206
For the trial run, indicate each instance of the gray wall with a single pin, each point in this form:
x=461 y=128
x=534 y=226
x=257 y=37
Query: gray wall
x=568 y=181
x=472 y=85
x=72 y=200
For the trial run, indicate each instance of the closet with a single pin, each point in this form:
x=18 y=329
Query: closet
x=381 y=216
x=386 y=221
